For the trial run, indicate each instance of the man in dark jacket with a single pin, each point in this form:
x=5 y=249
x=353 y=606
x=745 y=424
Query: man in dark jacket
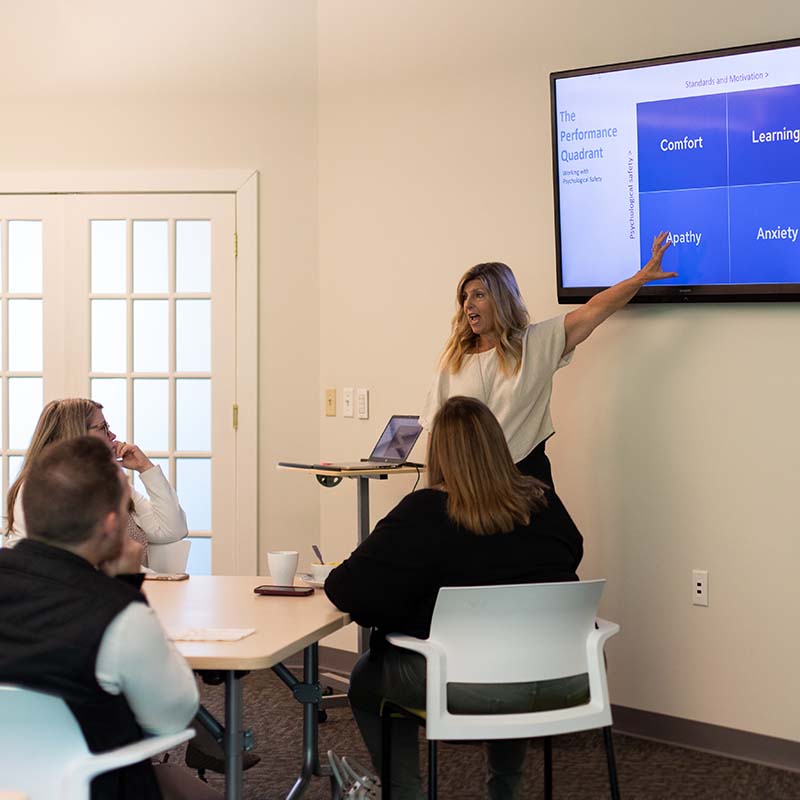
x=74 y=622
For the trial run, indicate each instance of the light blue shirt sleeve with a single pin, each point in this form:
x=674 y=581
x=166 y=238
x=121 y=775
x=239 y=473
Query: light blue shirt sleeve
x=137 y=660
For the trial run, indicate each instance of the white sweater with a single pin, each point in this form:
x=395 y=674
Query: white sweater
x=520 y=402
x=159 y=515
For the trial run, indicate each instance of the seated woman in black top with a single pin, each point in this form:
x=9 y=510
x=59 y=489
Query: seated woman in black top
x=481 y=522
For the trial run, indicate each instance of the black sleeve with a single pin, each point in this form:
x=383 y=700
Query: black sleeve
x=135 y=579
x=389 y=574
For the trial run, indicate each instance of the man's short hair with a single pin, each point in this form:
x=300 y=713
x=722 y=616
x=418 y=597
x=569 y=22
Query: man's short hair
x=70 y=487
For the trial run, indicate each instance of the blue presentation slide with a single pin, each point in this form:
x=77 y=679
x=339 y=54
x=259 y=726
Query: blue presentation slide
x=721 y=173
x=764 y=236
x=706 y=149
x=682 y=143
x=697 y=222
x=764 y=135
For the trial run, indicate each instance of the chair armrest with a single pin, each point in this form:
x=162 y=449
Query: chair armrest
x=605 y=629
x=132 y=753
x=595 y=643
x=435 y=667
x=422 y=646
x=596 y=639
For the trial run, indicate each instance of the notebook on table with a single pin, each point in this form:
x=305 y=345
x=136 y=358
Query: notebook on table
x=392 y=449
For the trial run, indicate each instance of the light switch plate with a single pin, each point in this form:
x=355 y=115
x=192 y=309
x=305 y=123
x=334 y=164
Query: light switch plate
x=347 y=401
x=330 y=402
x=363 y=403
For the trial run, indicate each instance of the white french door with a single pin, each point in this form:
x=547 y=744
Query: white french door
x=130 y=299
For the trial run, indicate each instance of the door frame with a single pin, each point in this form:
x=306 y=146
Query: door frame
x=242 y=558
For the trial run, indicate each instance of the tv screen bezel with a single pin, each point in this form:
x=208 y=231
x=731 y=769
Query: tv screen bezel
x=700 y=293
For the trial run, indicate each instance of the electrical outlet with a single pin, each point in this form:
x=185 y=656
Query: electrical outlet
x=330 y=402
x=347 y=401
x=363 y=403
x=700 y=587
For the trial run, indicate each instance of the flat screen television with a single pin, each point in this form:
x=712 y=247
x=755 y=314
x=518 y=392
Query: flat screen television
x=705 y=146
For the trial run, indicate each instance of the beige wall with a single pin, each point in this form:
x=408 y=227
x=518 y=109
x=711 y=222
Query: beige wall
x=195 y=85
x=677 y=427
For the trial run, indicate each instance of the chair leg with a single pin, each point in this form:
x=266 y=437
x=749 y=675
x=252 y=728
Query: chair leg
x=548 y=768
x=432 y=769
x=612 y=764
x=386 y=754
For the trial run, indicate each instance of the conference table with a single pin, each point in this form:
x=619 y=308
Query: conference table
x=283 y=627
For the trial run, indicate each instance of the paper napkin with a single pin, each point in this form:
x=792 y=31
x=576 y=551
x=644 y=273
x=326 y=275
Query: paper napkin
x=211 y=634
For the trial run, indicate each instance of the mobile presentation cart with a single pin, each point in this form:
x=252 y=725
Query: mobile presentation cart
x=330 y=476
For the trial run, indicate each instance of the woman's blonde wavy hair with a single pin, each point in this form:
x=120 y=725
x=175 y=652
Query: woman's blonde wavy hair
x=510 y=315
x=60 y=419
x=468 y=457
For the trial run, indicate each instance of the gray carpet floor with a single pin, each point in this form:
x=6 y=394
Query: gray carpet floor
x=647 y=770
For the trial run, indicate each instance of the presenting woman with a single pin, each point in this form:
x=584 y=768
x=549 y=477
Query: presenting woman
x=495 y=355
x=480 y=522
x=156 y=519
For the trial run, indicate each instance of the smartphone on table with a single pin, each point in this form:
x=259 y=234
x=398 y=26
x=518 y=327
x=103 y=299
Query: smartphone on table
x=284 y=591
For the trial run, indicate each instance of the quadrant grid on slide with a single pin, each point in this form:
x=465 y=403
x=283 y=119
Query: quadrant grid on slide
x=721 y=173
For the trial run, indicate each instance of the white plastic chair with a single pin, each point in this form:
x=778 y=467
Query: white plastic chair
x=169 y=558
x=511 y=634
x=44 y=754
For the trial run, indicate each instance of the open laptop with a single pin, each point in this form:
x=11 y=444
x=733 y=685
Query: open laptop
x=393 y=447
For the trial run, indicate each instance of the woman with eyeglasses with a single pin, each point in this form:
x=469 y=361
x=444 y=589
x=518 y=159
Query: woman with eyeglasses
x=155 y=519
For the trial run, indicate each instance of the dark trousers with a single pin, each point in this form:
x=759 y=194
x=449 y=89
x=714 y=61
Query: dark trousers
x=399 y=675
x=537 y=465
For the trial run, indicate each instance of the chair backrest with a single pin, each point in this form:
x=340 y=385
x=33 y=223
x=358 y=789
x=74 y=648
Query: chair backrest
x=39 y=739
x=43 y=752
x=516 y=633
x=169 y=558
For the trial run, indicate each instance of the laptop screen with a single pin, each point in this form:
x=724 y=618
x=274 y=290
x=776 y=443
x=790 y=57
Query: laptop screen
x=397 y=440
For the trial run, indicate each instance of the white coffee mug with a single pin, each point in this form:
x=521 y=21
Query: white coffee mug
x=282 y=566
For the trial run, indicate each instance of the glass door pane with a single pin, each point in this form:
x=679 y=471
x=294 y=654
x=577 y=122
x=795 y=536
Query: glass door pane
x=31 y=331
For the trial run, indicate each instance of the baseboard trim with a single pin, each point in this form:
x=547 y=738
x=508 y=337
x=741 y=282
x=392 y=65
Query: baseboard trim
x=729 y=742
x=337 y=660
x=742 y=745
